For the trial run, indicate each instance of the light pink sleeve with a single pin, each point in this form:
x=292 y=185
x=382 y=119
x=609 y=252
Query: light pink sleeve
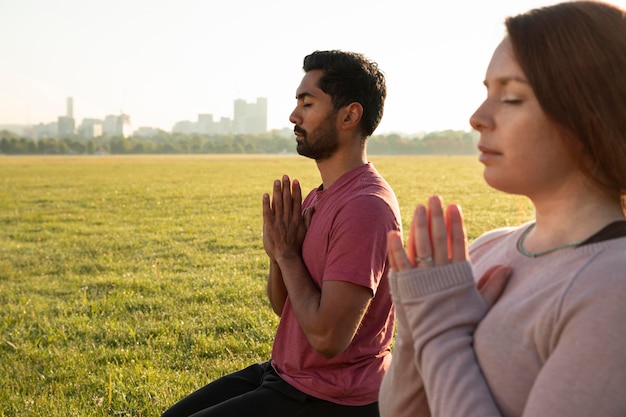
x=402 y=392
x=442 y=308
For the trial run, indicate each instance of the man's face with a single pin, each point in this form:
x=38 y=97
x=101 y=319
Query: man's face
x=315 y=120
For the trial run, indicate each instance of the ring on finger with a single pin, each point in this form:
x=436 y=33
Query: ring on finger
x=426 y=259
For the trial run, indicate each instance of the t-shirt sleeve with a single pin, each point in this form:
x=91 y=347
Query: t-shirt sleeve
x=358 y=242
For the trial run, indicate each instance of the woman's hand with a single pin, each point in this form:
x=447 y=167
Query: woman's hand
x=435 y=238
x=438 y=238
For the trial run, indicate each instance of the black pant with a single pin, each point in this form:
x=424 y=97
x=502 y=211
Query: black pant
x=258 y=391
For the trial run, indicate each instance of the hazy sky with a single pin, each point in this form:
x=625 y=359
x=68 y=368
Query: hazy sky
x=165 y=61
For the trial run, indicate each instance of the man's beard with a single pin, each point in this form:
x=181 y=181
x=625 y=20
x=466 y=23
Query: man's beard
x=321 y=143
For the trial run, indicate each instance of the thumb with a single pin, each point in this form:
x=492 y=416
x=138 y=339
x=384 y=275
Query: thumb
x=308 y=215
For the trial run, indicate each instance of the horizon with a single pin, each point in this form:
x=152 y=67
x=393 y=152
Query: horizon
x=168 y=62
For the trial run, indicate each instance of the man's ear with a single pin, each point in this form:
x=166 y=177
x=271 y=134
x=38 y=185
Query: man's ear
x=352 y=114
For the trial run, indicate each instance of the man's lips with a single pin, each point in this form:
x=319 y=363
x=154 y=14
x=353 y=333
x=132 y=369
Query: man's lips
x=298 y=131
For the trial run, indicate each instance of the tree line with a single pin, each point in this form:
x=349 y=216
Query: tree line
x=448 y=142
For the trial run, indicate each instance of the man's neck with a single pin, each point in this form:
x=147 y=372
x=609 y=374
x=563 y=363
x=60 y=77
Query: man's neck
x=333 y=168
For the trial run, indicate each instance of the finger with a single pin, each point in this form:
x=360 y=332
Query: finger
x=411 y=250
x=491 y=285
x=286 y=191
x=296 y=192
x=308 y=216
x=421 y=238
x=457 y=236
x=438 y=233
x=268 y=221
x=277 y=198
x=397 y=257
x=267 y=209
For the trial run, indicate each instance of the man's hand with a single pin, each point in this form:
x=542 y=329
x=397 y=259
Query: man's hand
x=284 y=226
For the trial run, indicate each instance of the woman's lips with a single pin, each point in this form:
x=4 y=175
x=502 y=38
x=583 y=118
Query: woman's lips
x=487 y=154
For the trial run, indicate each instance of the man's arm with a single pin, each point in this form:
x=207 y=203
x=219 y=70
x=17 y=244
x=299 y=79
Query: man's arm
x=329 y=316
x=276 y=290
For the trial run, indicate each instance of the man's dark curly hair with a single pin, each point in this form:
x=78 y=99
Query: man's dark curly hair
x=350 y=77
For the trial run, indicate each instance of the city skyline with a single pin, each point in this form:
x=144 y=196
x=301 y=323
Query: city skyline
x=163 y=62
x=248 y=118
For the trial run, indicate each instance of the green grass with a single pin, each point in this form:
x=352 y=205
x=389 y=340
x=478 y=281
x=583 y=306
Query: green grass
x=128 y=282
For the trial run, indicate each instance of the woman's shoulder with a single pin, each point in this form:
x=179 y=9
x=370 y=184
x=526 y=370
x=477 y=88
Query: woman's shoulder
x=597 y=288
x=605 y=258
x=494 y=235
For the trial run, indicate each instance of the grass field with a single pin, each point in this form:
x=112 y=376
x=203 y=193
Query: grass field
x=128 y=282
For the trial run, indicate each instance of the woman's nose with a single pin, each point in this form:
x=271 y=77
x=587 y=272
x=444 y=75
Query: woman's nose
x=480 y=120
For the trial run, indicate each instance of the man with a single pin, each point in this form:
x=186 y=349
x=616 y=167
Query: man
x=328 y=261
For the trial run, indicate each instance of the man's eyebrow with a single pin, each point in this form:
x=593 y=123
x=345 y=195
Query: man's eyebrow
x=506 y=80
x=303 y=95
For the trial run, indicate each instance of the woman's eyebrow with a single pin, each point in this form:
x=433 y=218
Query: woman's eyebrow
x=506 y=80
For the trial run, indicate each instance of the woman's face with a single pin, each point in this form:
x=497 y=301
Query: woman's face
x=522 y=150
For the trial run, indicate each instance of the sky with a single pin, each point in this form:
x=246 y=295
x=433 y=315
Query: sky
x=163 y=61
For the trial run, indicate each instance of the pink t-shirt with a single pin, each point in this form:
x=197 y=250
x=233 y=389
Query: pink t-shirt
x=346 y=241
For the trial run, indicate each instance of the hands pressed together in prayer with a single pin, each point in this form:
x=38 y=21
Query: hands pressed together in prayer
x=284 y=225
x=438 y=238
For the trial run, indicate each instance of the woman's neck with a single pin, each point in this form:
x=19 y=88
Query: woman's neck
x=570 y=219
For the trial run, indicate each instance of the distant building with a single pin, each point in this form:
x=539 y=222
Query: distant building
x=126 y=128
x=205 y=126
x=70 y=108
x=186 y=127
x=66 y=127
x=90 y=128
x=44 y=131
x=66 y=124
x=117 y=125
x=250 y=117
x=110 y=125
x=225 y=125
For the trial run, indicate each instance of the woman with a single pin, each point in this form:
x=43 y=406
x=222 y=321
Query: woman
x=552 y=128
